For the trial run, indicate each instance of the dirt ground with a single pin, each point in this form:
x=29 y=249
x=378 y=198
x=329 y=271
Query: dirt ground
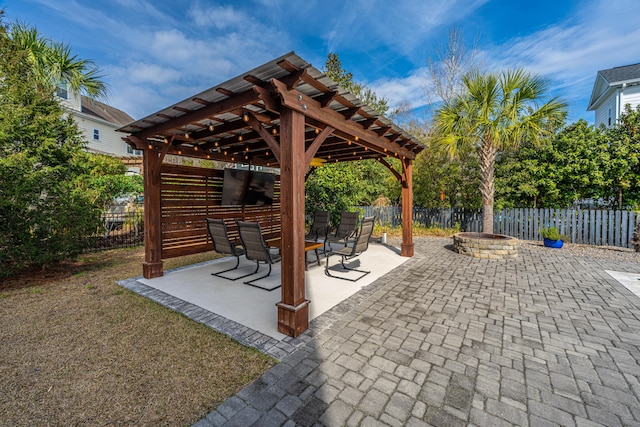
x=77 y=349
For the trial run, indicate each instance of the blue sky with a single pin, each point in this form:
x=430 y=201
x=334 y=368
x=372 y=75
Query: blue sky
x=156 y=53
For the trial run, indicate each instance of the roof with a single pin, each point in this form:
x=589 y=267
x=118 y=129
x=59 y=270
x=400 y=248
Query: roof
x=105 y=112
x=609 y=80
x=234 y=120
x=621 y=74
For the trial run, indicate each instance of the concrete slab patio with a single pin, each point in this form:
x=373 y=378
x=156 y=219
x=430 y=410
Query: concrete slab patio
x=547 y=339
x=247 y=313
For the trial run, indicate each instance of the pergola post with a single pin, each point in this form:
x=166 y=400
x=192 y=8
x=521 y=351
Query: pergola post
x=293 y=309
x=406 y=248
x=153 y=265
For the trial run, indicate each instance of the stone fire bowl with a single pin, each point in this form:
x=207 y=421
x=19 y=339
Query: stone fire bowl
x=485 y=245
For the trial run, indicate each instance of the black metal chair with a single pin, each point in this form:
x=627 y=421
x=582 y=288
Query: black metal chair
x=320 y=227
x=223 y=245
x=353 y=249
x=256 y=249
x=347 y=228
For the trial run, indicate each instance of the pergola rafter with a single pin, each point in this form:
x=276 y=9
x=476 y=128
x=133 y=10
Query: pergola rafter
x=281 y=114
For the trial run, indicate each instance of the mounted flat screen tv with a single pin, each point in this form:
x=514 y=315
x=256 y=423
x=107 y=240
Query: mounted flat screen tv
x=234 y=186
x=243 y=187
x=260 y=189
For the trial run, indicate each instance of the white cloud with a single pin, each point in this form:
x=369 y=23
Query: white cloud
x=402 y=26
x=220 y=17
x=408 y=90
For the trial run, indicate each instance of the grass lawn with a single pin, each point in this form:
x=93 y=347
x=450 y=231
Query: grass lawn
x=77 y=349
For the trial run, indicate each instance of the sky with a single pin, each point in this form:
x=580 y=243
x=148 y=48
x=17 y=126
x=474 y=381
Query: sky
x=153 y=54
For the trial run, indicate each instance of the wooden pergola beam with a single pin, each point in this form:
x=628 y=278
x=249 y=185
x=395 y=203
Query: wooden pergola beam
x=235 y=101
x=317 y=142
x=311 y=108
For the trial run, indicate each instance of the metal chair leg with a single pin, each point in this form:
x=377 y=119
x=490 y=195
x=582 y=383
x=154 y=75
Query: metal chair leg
x=250 y=282
x=326 y=270
x=219 y=273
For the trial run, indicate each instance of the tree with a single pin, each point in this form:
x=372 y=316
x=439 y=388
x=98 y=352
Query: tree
x=442 y=181
x=53 y=63
x=453 y=61
x=559 y=172
x=47 y=203
x=333 y=69
x=496 y=111
x=623 y=168
x=342 y=186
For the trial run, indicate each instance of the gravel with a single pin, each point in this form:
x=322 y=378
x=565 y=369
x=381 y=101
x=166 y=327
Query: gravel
x=610 y=253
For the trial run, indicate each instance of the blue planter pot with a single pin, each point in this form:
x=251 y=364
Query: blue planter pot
x=553 y=243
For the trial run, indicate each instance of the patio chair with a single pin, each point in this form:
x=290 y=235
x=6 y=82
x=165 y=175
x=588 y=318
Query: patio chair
x=347 y=228
x=256 y=249
x=223 y=245
x=358 y=246
x=320 y=227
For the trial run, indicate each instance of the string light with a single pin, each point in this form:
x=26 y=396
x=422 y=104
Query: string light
x=186 y=135
x=245 y=117
x=211 y=127
x=240 y=138
x=357 y=138
x=215 y=144
x=274 y=131
x=166 y=141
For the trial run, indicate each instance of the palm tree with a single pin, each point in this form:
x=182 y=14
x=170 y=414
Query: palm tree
x=497 y=112
x=53 y=63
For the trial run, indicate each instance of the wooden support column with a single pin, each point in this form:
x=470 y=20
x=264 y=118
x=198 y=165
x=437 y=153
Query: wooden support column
x=293 y=310
x=406 y=249
x=152 y=266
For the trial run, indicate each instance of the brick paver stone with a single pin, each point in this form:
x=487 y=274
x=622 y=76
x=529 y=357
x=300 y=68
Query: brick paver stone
x=451 y=340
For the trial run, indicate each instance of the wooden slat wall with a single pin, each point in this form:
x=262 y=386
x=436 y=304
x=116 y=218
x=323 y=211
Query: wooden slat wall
x=190 y=195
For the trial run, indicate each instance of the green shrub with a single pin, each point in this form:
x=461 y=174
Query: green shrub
x=552 y=233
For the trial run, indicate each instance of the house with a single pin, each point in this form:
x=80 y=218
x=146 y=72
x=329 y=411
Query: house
x=98 y=123
x=613 y=89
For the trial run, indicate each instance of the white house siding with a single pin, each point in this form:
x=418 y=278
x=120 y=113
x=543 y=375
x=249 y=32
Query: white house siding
x=602 y=112
x=631 y=96
x=110 y=141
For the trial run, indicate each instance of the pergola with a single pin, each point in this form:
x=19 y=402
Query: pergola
x=283 y=114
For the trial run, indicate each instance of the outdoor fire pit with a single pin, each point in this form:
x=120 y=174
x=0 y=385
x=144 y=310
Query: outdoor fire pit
x=484 y=245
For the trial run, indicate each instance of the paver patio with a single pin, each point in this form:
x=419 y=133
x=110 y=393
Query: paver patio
x=547 y=339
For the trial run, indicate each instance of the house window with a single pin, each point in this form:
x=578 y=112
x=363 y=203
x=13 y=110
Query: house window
x=61 y=91
x=134 y=152
x=96 y=134
x=609 y=117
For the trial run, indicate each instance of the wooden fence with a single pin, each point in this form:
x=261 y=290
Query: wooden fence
x=587 y=226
